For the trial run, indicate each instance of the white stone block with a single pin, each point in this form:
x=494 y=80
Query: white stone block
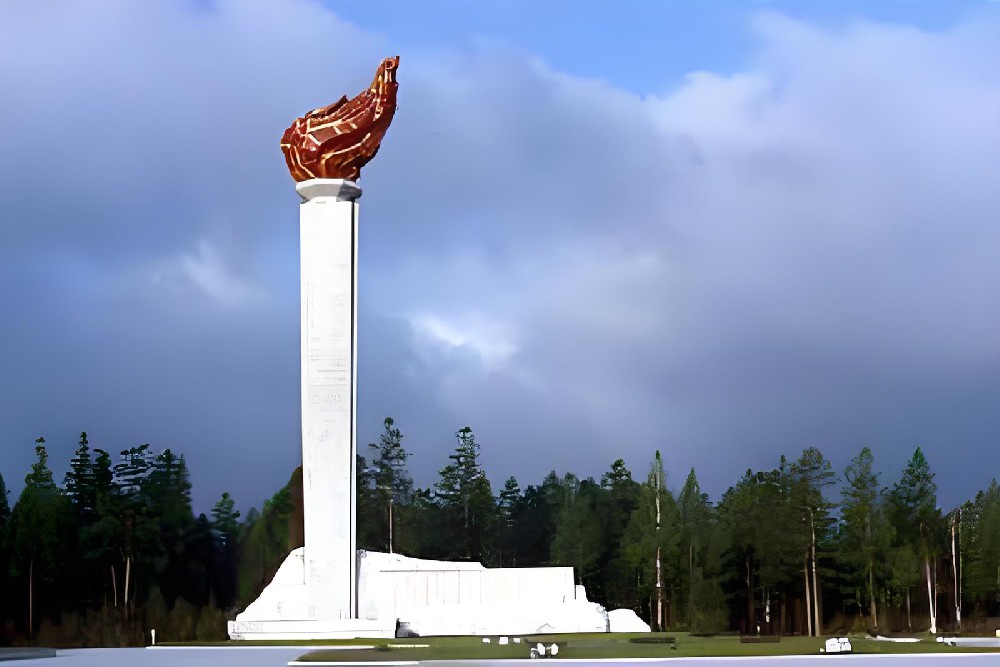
x=838 y=645
x=625 y=620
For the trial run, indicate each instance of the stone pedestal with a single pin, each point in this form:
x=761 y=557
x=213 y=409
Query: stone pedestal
x=426 y=597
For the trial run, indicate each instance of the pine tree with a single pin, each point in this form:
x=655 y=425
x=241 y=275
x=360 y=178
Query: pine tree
x=369 y=514
x=225 y=516
x=469 y=510
x=536 y=522
x=508 y=506
x=980 y=537
x=623 y=492
x=648 y=551
x=6 y=593
x=104 y=481
x=391 y=483
x=226 y=527
x=757 y=513
x=165 y=511
x=80 y=482
x=579 y=535
x=101 y=538
x=914 y=512
x=808 y=477
x=133 y=509
x=4 y=505
x=865 y=530
x=131 y=472
x=693 y=511
x=40 y=524
x=167 y=490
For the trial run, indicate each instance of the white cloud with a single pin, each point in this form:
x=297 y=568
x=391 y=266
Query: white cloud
x=207 y=271
x=492 y=341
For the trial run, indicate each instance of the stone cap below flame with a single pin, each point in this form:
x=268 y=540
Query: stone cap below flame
x=340 y=189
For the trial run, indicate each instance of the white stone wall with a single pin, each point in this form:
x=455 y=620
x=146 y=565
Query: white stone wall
x=442 y=598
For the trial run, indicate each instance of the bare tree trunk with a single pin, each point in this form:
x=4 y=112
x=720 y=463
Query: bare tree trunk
x=957 y=565
x=659 y=592
x=934 y=587
x=114 y=586
x=690 y=580
x=672 y=612
x=954 y=572
x=390 y=529
x=763 y=606
x=659 y=572
x=750 y=614
x=767 y=610
x=784 y=613
x=809 y=623
x=818 y=624
x=871 y=594
x=909 y=623
x=31 y=598
x=930 y=594
x=128 y=572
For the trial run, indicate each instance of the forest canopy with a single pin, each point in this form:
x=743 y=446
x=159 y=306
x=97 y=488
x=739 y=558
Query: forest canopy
x=115 y=547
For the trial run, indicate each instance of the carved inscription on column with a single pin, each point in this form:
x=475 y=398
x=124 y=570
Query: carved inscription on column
x=327 y=377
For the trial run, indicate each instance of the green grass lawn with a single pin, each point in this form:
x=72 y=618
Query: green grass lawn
x=602 y=645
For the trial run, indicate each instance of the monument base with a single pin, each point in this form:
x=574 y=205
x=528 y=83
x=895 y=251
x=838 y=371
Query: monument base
x=425 y=598
x=283 y=612
x=351 y=628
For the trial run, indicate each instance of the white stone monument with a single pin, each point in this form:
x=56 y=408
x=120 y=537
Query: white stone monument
x=320 y=591
x=315 y=591
x=328 y=249
x=314 y=594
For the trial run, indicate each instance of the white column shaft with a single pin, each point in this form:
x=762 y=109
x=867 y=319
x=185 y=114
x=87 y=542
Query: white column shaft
x=328 y=235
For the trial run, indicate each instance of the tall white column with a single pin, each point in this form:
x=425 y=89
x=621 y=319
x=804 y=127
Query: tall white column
x=328 y=219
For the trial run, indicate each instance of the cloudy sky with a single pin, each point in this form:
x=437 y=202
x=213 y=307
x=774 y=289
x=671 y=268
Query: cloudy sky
x=727 y=230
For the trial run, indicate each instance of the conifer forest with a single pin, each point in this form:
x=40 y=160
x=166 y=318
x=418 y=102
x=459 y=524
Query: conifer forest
x=115 y=547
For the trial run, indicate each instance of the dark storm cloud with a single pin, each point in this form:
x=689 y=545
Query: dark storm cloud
x=799 y=254
x=149 y=241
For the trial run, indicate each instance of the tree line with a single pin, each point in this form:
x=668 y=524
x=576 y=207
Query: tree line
x=116 y=548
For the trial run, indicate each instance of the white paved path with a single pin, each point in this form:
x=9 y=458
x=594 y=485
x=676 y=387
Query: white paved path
x=280 y=656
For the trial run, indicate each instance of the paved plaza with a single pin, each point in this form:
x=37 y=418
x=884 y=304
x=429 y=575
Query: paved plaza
x=280 y=656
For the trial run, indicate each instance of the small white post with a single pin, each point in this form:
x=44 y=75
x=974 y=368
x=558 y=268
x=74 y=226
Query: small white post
x=153 y=636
